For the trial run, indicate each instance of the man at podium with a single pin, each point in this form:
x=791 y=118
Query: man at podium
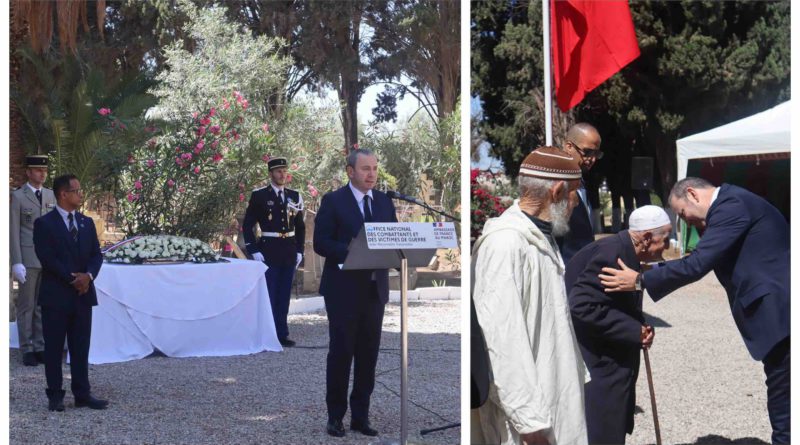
x=354 y=299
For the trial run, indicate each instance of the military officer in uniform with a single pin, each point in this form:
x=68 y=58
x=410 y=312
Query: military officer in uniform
x=29 y=202
x=279 y=213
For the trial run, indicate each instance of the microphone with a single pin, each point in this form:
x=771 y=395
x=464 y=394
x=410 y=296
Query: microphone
x=397 y=195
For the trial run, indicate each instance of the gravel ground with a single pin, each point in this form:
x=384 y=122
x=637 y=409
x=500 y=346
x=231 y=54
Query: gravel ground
x=708 y=388
x=266 y=398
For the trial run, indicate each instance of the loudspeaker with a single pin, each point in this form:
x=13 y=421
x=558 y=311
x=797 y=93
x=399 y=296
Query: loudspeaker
x=641 y=173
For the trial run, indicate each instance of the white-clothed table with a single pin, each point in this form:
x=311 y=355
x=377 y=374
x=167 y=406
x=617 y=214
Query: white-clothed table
x=183 y=310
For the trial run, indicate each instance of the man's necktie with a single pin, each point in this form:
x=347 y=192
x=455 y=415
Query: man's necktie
x=367 y=211
x=280 y=195
x=39 y=196
x=72 y=229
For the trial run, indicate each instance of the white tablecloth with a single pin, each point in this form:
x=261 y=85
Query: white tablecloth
x=183 y=310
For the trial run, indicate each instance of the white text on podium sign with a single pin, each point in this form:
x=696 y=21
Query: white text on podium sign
x=438 y=235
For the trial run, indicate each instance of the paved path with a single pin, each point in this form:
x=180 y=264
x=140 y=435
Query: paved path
x=266 y=398
x=708 y=388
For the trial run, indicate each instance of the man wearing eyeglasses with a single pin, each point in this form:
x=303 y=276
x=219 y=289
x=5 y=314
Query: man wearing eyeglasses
x=66 y=244
x=583 y=141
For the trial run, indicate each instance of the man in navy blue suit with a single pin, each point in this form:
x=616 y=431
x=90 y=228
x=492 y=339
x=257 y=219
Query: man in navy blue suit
x=66 y=244
x=354 y=299
x=745 y=241
x=583 y=141
x=612 y=331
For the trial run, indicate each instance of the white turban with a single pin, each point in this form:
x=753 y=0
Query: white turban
x=648 y=218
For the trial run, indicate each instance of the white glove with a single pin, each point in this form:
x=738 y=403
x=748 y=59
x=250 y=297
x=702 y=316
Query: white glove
x=299 y=258
x=19 y=272
x=258 y=257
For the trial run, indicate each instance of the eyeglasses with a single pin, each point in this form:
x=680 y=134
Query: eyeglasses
x=588 y=152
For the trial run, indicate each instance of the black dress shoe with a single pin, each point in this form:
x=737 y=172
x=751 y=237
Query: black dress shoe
x=39 y=356
x=91 y=402
x=55 y=399
x=335 y=428
x=55 y=405
x=363 y=428
x=29 y=359
x=286 y=343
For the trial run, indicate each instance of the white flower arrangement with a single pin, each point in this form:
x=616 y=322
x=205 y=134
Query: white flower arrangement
x=160 y=248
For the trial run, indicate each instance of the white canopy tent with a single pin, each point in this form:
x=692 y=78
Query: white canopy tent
x=762 y=133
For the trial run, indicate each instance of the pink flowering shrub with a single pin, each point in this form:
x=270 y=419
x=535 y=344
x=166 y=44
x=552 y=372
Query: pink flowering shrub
x=182 y=179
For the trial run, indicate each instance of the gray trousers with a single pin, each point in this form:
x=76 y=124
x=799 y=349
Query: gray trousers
x=29 y=314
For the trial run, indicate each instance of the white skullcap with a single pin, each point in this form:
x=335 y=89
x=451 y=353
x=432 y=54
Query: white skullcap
x=648 y=218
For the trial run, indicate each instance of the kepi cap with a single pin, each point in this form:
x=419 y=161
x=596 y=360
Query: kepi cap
x=277 y=163
x=36 y=161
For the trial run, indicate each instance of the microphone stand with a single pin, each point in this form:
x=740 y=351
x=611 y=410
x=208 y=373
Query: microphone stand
x=423 y=204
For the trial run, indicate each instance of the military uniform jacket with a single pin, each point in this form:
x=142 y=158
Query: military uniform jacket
x=272 y=215
x=25 y=209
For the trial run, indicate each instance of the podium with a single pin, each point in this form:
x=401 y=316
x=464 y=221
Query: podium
x=392 y=246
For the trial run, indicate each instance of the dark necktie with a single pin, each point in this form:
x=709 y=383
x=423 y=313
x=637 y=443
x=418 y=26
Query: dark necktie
x=39 y=196
x=367 y=211
x=72 y=229
x=280 y=196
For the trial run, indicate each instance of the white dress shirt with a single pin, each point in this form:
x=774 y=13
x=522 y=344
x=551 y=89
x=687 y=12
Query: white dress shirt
x=64 y=216
x=360 y=198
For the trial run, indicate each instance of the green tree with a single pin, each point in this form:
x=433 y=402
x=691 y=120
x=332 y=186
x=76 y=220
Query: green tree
x=702 y=64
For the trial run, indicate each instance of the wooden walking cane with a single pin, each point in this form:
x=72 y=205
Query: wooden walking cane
x=652 y=395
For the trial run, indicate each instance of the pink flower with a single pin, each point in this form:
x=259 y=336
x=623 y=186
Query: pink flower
x=265 y=158
x=236 y=136
x=241 y=197
x=195 y=114
x=294 y=166
x=217 y=157
x=170 y=183
x=151 y=163
x=197 y=170
x=241 y=186
x=122 y=126
x=179 y=161
x=244 y=104
x=150 y=129
x=214 y=129
x=226 y=104
x=214 y=144
x=205 y=121
x=151 y=143
x=137 y=185
x=313 y=191
x=131 y=159
x=237 y=95
x=104 y=111
x=201 y=131
x=289 y=177
x=265 y=127
x=181 y=189
x=212 y=112
x=132 y=197
x=355 y=146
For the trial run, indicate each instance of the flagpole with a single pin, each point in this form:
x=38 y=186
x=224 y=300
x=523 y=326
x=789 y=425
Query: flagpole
x=548 y=96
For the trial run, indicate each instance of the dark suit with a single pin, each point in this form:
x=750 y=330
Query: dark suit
x=746 y=243
x=280 y=253
x=64 y=312
x=608 y=328
x=354 y=301
x=580 y=232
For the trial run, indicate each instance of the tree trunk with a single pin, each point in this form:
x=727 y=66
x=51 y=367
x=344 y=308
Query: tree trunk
x=449 y=78
x=17 y=174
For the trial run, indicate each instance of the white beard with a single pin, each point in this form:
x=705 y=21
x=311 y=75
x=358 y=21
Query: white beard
x=559 y=212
